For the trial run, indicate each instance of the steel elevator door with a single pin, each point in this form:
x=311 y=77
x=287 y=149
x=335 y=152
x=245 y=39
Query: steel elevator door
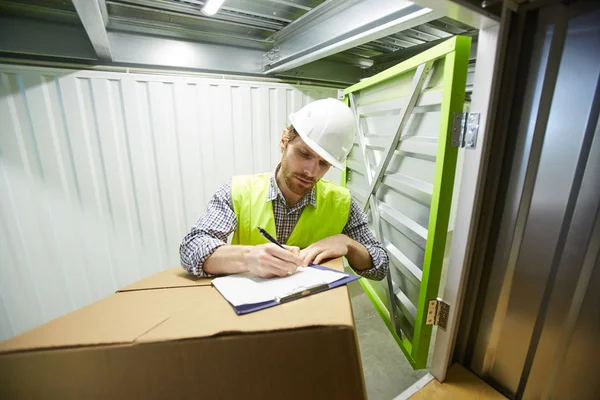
x=536 y=336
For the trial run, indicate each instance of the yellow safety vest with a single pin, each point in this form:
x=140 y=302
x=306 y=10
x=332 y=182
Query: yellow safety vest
x=249 y=194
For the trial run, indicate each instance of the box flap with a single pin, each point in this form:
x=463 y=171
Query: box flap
x=139 y=315
x=216 y=316
x=117 y=319
x=171 y=278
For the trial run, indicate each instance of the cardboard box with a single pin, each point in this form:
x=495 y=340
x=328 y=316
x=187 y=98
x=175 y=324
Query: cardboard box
x=174 y=336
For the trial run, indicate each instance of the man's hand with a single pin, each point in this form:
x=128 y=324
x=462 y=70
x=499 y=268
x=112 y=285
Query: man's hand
x=331 y=247
x=293 y=249
x=270 y=260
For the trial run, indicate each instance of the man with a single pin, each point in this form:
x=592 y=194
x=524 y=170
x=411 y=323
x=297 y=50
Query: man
x=317 y=219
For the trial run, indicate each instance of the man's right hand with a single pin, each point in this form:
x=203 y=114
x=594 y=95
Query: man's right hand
x=270 y=260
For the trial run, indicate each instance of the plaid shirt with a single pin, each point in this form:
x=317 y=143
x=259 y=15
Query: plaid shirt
x=219 y=221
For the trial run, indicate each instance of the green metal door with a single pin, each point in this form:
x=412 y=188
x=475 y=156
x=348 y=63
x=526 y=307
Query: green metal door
x=401 y=169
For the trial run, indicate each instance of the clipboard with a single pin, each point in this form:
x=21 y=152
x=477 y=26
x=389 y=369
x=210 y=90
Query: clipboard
x=305 y=292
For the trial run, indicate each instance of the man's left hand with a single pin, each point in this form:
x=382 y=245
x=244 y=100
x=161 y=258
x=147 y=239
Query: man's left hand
x=331 y=247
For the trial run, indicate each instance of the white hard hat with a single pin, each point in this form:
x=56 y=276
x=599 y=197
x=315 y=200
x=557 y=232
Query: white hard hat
x=327 y=127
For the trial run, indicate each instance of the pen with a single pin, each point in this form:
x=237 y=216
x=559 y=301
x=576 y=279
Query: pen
x=306 y=292
x=272 y=240
x=269 y=237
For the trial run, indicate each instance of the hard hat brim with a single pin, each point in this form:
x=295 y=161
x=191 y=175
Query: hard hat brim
x=322 y=152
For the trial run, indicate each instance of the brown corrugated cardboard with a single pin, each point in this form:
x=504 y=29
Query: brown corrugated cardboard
x=114 y=320
x=186 y=342
x=171 y=278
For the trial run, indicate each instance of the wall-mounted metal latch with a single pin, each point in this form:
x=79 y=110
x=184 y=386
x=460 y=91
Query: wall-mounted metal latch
x=464 y=129
x=437 y=313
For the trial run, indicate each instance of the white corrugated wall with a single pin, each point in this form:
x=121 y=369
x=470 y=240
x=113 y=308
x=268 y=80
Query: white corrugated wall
x=103 y=173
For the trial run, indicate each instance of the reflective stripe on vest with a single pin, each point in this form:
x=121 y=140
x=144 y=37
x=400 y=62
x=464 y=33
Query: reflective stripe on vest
x=249 y=194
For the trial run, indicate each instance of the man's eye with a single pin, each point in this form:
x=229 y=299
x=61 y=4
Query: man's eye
x=324 y=163
x=304 y=154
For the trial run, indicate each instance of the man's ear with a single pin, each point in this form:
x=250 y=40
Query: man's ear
x=283 y=143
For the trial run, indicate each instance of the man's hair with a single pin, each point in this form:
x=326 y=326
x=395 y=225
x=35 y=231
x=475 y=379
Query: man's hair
x=289 y=134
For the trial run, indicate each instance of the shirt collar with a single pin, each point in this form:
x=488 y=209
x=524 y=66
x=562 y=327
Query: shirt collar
x=274 y=192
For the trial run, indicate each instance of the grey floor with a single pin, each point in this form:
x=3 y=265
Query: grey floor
x=387 y=373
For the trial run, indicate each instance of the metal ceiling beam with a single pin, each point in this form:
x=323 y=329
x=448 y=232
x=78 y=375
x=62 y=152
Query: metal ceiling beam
x=143 y=19
x=461 y=11
x=138 y=49
x=185 y=33
x=49 y=11
x=327 y=71
x=174 y=11
x=24 y=37
x=91 y=16
x=103 y=11
x=292 y=4
x=352 y=59
x=133 y=49
x=337 y=25
x=35 y=37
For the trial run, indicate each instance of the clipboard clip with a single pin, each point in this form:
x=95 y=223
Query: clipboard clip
x=303 y=292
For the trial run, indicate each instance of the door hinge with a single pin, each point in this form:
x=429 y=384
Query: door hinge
x=464 y=129
x=437 y=313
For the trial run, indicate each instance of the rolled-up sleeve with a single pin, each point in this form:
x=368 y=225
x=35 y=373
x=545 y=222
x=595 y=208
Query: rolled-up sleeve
x=357 y=228
x=209 y=232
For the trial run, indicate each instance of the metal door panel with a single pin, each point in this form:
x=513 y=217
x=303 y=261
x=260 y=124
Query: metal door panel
x=402 y=170
x=411 y=251
x=549 y=206
x=413 y=209
x=578 y=373
x=537 y=335
x=564 y=356
x=416 y=168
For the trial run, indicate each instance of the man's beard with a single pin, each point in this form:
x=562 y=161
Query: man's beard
x=293 y=184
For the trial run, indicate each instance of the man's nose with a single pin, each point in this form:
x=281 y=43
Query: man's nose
x=311 y=167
